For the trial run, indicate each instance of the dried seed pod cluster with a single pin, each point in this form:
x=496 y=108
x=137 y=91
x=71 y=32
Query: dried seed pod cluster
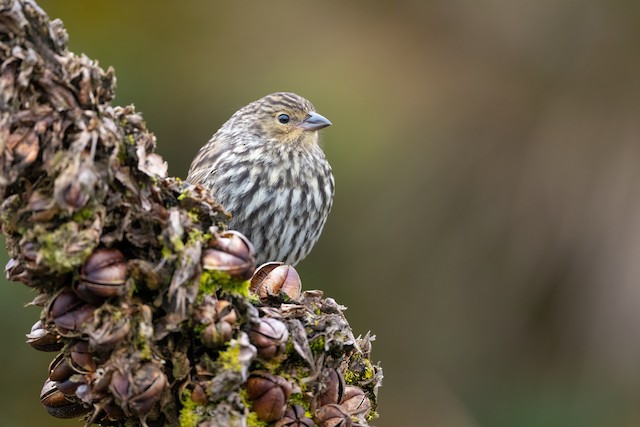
x=156 y=314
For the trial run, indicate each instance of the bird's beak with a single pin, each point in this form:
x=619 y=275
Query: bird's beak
x=315 y=121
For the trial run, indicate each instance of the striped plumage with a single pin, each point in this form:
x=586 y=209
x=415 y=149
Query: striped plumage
x=272 y=176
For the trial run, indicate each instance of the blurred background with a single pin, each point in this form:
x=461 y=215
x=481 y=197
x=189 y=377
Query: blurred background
x=486 y=220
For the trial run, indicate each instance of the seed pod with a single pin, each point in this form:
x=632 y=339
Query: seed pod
x=199 y=395
x=58 y=405
x=64 y=375
x=274 y=278
x=139 y=391
x=69 y=312
x=225 y=312
x=59 y=369
x=333 y=416
x=69 y=387
x=43 y=338
x=355 y=401
x=103 y=275
x=295 y=417
x=334 y=390
x=81 y=358
x=108 y=330
x=17 y=272
x=219 y=318
x=231 y=253
x=216 y=334
x=269 y=394
x=269 y=336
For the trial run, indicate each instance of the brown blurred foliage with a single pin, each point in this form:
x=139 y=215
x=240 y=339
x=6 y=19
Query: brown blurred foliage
x=485 y=155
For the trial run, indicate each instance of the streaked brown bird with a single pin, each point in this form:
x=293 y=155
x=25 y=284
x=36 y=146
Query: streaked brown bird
x=266 y=167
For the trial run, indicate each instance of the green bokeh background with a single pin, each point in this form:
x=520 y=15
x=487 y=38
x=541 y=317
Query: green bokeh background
x=485 y=225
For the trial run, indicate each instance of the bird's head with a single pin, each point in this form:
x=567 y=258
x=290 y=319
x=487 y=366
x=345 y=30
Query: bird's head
x=286 y=118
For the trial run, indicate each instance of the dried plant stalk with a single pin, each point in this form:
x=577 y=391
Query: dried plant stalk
x=146 y=297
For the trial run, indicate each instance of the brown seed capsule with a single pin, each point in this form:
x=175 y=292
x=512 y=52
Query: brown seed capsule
x=138 y=392
x=59 y=369
x=219 y=318
x=269 y=336
x=69 y=312
x=43 y=338
x=295 y=417
x=269 y=394
x=355 y=401
x=108 y=330
x=231 y=253
x=58 y=405
x=225 y=312
x=103 y=275
x=274 y=278
x=333 y=416
x=216 y=334
x=81 y=358
x=199 y=395
x=17 y=272
x=333 y=391
x=69 y=387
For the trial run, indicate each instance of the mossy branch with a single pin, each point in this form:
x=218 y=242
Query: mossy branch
x=146 y=298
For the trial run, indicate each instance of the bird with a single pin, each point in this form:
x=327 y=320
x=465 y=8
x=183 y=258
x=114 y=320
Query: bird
x=266 y=167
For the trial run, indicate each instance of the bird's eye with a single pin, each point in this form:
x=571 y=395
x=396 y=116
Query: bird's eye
x=283 y=118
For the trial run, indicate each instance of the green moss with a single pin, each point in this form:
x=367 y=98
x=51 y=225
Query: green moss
x=372 y=415
x=354 y=377
x=65 y=248
x=193 y=216
x=254 y=421
x=350 y=377
x=83 y=214
x=317 y=344
x=144 y=350
x=212 y=281
x=183 y=195
x=228 y=358
x=167 y=253
x=298 y=399
x=195 y=235
x=198 y=328
x=178 y=244
x=189 y=416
